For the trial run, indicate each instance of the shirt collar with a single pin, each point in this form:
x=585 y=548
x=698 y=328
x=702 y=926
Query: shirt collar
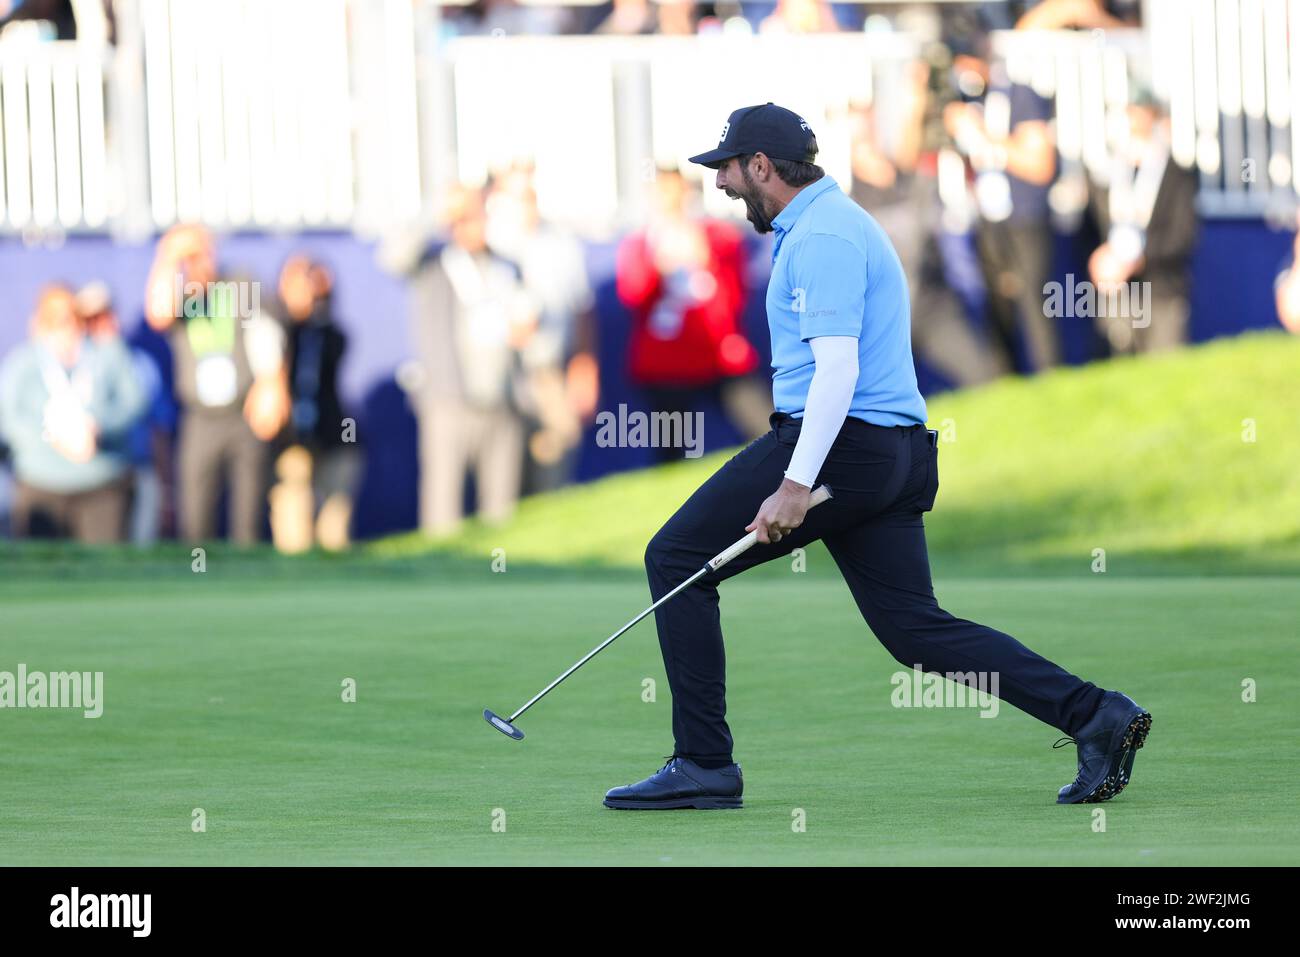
x=802 y=200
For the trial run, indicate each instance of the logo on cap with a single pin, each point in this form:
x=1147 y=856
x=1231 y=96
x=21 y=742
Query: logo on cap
x=725 y=128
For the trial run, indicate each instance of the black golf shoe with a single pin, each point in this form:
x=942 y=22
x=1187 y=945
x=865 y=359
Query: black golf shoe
x=681 y=783
x=1107 y=745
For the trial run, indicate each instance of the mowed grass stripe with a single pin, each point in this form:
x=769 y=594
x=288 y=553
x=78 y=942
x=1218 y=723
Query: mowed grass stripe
x=226 y=696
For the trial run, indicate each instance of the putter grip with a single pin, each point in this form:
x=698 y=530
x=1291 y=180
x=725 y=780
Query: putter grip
x=820 y=494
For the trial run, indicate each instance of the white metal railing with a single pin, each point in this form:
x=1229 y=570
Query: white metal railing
x=597 y=114
x=1232 y=80
x=1226 y=70
x=286 y=114
x=248 y=109
x=53 y=167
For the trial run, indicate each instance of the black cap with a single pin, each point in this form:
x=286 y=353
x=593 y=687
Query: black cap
x=769 y=129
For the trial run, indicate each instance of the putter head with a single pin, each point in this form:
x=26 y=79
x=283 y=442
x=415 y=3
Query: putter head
x=502 y=725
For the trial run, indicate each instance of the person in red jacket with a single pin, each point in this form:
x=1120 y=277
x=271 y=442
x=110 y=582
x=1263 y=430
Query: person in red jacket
x=683 y=279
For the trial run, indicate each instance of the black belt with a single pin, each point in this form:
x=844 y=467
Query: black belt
x=778 y=419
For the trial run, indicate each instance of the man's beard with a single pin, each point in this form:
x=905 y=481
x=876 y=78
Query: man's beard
x=755 y=207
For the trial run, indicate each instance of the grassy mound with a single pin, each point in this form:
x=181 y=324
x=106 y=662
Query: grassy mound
x=1186 y=461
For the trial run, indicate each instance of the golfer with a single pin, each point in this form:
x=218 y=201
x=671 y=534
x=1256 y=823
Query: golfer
x=848 y=415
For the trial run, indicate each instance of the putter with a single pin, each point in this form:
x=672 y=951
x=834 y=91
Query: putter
x=507 y=725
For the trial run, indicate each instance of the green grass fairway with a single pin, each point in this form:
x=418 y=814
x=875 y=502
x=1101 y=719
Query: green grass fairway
x=222 y=692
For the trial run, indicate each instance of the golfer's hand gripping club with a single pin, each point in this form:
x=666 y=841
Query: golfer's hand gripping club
x=506 y=725
x=820 y=494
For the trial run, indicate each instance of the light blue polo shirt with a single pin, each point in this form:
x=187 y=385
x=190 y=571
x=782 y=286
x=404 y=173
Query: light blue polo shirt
x=835 y=273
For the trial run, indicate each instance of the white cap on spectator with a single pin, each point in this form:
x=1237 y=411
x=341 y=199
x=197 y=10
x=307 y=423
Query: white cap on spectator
x=94 y=298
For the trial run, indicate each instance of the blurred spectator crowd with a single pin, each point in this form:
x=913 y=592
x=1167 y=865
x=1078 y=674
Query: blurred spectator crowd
x=113 y=438
x=687 y=17
x=69 y=19
x=217 y=394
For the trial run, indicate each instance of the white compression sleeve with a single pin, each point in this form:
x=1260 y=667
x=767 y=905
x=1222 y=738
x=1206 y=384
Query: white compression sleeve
x=829 y=396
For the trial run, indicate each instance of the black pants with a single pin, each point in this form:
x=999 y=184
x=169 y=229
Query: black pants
x=218 y=449
x=1016 y=260
x=882 y=479
x=96 y=516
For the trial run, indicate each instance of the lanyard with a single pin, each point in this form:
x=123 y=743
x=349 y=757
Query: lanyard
x=1133 y=190
x=463 y=272
x=77 y=387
